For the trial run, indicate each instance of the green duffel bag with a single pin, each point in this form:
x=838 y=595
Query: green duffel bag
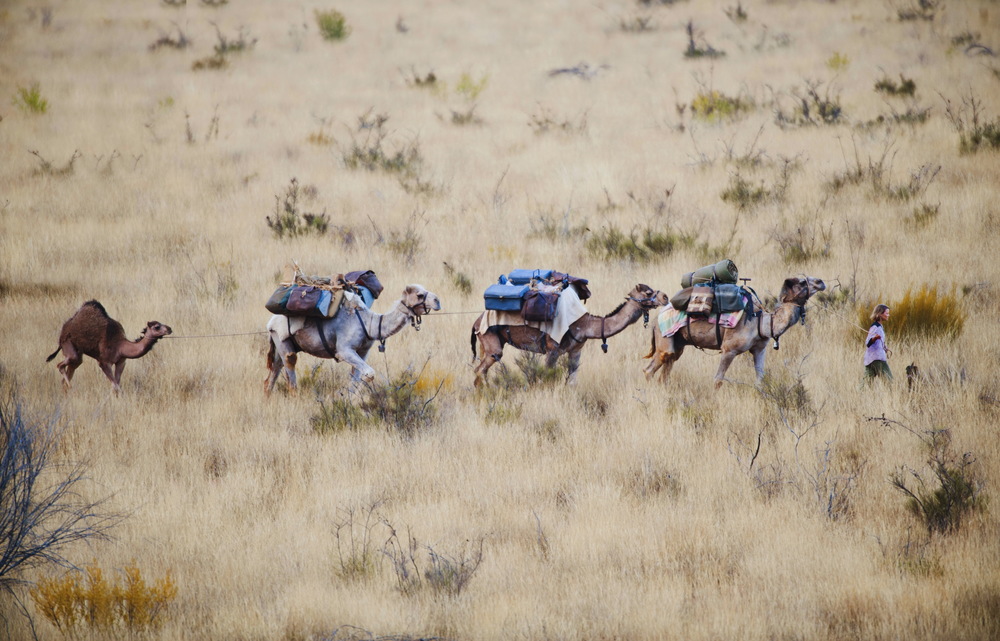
x=723 y=271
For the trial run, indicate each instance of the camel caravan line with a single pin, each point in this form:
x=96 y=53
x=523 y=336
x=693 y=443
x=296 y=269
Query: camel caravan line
x=540 y=311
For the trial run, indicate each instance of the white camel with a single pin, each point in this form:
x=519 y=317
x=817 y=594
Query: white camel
x=347 y=336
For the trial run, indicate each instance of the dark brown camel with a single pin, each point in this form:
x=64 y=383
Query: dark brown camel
x=641 y=299
x=91 y=332
x=750 y=335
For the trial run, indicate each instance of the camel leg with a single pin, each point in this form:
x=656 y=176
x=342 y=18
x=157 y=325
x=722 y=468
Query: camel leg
x=666 y=351
x=68 y=365
x=759 y=352
x=275 y=363
x=281 y=356
x=288 y=363
x=106 y=368
x=657 y=354
x=360 y=369
x=358 y=374
x=668 y=359
x=491 y=350
x=552 y=359
x=574 y=365
x=727 y=360
x=119 y=367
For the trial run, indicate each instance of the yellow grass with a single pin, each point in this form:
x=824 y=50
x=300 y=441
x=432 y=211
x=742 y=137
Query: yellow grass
x=617 y=509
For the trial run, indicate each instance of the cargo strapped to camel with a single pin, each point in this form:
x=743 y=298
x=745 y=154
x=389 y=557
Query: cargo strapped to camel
x=533 y=292
x=321 y=296
x=711 y=291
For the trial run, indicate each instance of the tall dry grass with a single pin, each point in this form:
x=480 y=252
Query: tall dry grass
x=615 y=509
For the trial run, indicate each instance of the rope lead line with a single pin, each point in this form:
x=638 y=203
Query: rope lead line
x=219 y=335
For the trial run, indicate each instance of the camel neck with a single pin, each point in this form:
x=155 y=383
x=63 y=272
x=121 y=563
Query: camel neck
x=613 y=323
x=786 y=315
x=138 y=348
x=382 y=326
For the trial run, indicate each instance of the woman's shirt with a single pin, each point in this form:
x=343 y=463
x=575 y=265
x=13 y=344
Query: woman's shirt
x=875 y=351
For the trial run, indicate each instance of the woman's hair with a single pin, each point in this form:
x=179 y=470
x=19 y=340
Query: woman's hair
x=878 y=311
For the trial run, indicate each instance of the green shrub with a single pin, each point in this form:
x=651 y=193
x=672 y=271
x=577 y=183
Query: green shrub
x=401 y=404
x=942 y=502
x=460 y=280
x=224 y=46
x=332 y=25
x=742 y=194
x=288 y=220
x=611 y=243
x=919 y=10
x=714 y=106
x=371 y=154
x=30 y=100
x=922 y=215
x=804 y=243
x=340 y=415
x=357 y=554
x=906 y=86
x=838 y=62
x=924 y=313
x=810 y=107
x=545 y=121
x=982 y=136
x=697 y=46
x=469 y=88
x=975 y=132
x=637 y=24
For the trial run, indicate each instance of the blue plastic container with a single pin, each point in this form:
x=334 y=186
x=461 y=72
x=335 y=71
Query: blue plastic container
x=524 y=276
x=505 y=298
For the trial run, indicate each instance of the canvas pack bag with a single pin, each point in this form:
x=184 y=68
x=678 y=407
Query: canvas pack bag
x=701 y=301
x=728 y=298
x=539 y=306
x=365 y=278
x=303 y=299
x=679 y=301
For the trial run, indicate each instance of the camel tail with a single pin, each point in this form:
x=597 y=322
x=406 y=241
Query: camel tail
x=652 y=347
x=270 y=352
x=53 y=355
x=472 y=340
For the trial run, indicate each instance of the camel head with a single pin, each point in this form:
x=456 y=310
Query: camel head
x=156 y=330
x=419 y=301
x=647 y=298
x=797 y=289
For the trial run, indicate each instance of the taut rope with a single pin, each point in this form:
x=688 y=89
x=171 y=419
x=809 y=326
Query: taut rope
x=217 y=335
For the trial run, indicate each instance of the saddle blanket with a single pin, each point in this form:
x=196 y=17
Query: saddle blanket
x=569 y=309
x=670 y=320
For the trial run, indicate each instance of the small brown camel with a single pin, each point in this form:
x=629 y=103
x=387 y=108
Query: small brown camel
x=640 y=300
x=91 y=332
x=751 y=335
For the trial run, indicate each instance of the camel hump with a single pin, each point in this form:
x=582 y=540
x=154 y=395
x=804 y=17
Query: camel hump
x=92 y=303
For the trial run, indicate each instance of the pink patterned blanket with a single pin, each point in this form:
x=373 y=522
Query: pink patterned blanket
x=670 y=320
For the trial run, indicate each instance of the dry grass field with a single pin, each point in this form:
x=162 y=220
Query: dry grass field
x=144 y=146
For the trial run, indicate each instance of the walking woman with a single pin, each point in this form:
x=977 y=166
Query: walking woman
x=876 y=356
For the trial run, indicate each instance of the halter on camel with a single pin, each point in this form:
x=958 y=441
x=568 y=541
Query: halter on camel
x=645 y=319
x=801 y=310
x=414 y=317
